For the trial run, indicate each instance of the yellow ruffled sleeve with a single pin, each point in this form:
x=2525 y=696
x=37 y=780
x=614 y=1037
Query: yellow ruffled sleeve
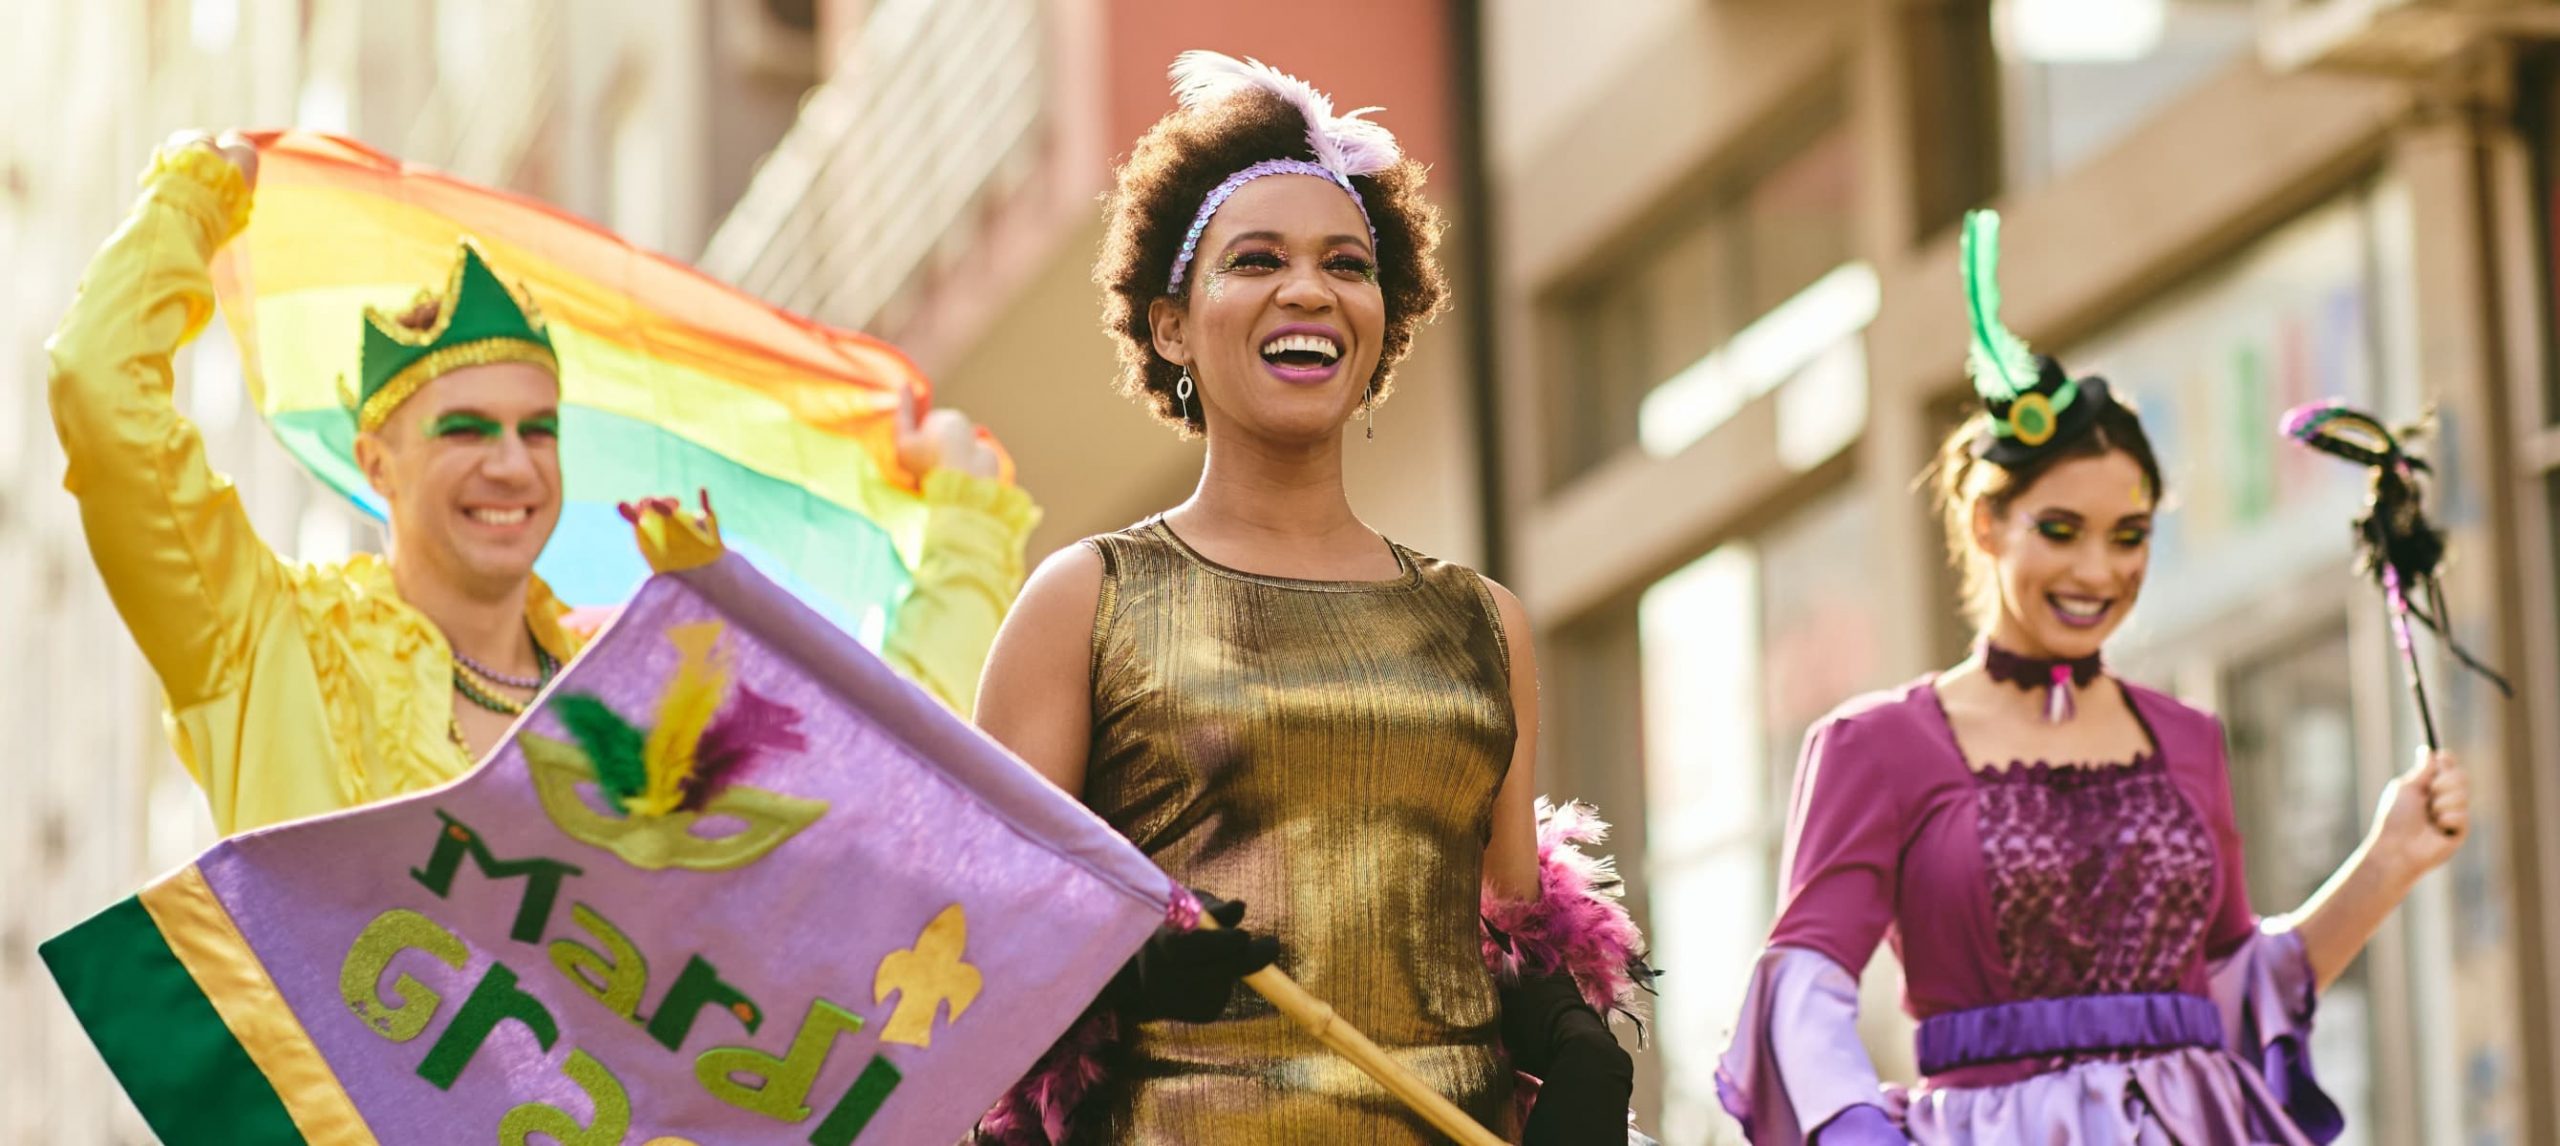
x=975 y=530
x=169 y=535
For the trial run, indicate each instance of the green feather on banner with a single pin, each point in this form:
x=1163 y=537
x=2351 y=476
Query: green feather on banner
x=618 y=749
x=2001 y=365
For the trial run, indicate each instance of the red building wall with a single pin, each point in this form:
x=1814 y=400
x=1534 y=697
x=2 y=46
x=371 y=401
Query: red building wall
x=1394 y=54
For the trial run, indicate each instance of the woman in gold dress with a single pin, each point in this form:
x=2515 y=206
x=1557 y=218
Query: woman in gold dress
x=1281 y=706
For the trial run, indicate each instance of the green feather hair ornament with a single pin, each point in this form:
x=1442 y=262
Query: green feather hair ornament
x=2001 y=364
x=2027 y=395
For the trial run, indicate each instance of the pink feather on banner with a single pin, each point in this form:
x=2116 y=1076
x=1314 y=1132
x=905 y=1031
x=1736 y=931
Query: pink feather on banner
x=750 y=725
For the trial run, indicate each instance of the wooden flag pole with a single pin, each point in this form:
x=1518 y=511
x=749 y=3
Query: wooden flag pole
x=1316 y=1018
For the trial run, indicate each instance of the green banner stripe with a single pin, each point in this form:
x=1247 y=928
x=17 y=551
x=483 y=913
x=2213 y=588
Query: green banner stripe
x=191 y=1079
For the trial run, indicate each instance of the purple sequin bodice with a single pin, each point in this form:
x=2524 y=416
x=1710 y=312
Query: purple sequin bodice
x=2102 y=879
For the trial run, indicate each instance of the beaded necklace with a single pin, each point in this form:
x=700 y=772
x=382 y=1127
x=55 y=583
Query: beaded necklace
x=479 y=686
x=493 y=676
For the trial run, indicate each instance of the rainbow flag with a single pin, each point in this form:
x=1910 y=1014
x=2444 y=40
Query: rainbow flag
x=733 y=880
x=671 y=381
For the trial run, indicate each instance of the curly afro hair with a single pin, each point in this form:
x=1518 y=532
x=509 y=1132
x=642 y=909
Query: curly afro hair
x=1174 y=167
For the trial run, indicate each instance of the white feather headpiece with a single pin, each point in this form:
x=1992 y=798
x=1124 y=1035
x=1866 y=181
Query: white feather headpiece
x=1345 y=143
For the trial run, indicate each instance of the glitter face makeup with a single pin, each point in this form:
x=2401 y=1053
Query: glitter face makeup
x=1347 y=264
x=2070 y=558
x=1283 y=327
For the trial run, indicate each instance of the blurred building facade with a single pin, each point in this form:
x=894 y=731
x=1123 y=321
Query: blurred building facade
x=1707 y=330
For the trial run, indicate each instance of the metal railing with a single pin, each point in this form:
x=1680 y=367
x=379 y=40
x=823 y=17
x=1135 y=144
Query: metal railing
x=483 y=124
x=936 y=105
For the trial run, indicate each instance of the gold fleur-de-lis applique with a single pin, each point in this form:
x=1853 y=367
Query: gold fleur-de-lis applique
x=926 y=976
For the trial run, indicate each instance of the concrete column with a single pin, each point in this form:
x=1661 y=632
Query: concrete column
x=2469 y=187
x=1895 y=116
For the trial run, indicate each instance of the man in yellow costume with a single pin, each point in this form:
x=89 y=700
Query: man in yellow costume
x=297 y=689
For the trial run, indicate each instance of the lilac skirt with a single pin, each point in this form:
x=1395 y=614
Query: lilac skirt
x=1796 y=1069
x=2188 y=1097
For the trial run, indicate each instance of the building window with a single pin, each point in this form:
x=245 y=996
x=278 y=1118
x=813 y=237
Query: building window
x=2079 y=75
x=2291 y=722
x=2317 y=309
x=1739 y=252
x=1710 y=841
x=1742 y=651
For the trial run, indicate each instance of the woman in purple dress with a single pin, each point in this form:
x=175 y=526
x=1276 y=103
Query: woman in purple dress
x=2050 y=850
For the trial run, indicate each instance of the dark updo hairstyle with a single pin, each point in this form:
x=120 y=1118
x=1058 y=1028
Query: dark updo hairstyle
x=1161 y=185
x=1958 y=479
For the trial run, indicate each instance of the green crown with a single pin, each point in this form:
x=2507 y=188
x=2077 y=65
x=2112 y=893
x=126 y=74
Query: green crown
x=479 y=321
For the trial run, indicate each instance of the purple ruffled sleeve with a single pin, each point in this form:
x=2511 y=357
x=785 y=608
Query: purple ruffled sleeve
x=2266 y=991
x=1796 y=1072
x=1795 y=1068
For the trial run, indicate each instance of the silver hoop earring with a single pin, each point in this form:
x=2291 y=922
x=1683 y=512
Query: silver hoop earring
x=1182 y=394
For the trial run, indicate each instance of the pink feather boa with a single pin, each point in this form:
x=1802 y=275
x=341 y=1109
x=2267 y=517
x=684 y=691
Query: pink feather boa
x=1039 y=1109
x=1576 y=924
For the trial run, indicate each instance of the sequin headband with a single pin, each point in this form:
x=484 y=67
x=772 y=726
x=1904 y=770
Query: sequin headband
x=1231 y=184
x=1343 y=145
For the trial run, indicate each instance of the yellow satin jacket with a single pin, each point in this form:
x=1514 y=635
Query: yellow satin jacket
x=296 y=689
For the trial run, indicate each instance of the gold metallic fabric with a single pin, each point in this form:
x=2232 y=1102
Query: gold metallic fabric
x=1327 y=752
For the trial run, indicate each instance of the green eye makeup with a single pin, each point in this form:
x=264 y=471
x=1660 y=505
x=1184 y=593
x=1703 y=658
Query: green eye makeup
x=461 y=425
x=464 y=424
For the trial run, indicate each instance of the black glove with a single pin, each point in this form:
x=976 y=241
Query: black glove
x=1189 y=975
x=1584 y=1076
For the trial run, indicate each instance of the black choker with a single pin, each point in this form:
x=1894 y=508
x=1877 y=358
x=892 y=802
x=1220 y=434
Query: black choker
x=2060 y=679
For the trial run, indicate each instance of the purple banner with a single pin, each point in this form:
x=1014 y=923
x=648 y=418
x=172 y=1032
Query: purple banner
x=733 y=881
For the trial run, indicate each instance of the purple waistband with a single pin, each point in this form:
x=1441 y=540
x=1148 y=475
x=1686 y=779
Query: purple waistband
x=2039 y=1028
